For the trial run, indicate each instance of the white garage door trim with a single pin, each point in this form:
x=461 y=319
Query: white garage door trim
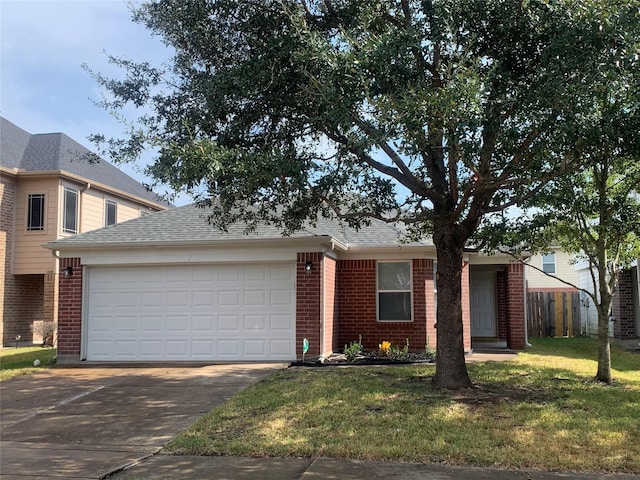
x=215 y=312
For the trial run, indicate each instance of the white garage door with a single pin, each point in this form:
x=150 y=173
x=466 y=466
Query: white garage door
x=205 y=312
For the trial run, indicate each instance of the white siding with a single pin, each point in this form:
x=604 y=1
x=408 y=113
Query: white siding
x=565 y=270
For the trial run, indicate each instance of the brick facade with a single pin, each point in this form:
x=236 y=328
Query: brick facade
x=515 y=310
x=357 y=311
x=624 y=325
x=335 y=304
x=70 y=311
x=308 y=302
x=501 y=304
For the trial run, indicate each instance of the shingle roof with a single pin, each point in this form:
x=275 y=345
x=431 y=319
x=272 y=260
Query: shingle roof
x=56 y=151
x=188 y=224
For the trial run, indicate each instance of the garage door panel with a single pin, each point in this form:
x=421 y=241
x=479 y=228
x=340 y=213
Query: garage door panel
x=202 y=324
x=203 y=299
x=279 y=323
x=151 y=324
x=281 y=348
x=228 y=348
x=202 y=351
x=228 y=323
x=254 y=323
x=228 y=298
x=178 y=298
x=255 y=298
x=280 y=298
x=213 y=312
x=228 y=274
x=149 y=348
x=254 y=348
x=150 y=299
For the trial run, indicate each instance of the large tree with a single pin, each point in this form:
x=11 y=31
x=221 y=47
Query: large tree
x=431 y=113
x=594 y=212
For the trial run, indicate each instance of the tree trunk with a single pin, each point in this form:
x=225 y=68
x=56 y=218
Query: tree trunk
x=604 y=347
x=451 y=368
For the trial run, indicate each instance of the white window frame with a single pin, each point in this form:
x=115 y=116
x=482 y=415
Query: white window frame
x=76 y=220
x=546 y=261
x=43 y=203
x=107 y=204
x=408 y=290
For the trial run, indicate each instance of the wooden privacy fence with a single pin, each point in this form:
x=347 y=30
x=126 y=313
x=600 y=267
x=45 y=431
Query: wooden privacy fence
x=553 y=314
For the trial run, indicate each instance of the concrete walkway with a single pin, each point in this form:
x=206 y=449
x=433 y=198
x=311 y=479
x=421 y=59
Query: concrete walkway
x=236 y=468
x=89 y=421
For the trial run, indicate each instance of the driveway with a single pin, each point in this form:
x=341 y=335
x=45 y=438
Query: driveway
x=88 y=421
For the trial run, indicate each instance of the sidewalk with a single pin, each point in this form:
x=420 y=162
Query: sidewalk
x=237 y=468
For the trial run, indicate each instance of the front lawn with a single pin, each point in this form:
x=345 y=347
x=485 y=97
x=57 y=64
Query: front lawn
x=541 y=411
x=19 y=361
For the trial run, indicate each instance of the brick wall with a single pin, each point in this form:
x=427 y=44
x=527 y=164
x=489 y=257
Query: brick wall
x=515 y=306
x=501 y=306
x=357 y=314
x=624 y=327
x=308 y=302
x=69 y=311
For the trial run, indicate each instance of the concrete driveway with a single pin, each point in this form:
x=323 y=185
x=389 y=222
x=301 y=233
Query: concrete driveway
x=91 y=420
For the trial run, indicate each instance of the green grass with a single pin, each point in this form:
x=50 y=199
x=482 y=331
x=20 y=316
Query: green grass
x=542 y=411
x=19 y=361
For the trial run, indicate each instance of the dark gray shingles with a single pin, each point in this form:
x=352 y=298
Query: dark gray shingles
x=188 y=224
x=57 y=151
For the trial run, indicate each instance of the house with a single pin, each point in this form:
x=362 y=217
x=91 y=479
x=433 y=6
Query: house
x=625 y=306
x=556 y=262
x=169 y=286
x=553 y=302
x=52 y=187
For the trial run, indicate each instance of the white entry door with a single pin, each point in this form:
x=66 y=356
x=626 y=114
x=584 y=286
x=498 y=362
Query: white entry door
x=483 y=304
x=230 y=312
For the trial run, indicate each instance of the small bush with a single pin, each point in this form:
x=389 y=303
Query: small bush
x=396 y=352
x=46 y=330
x=353 y=349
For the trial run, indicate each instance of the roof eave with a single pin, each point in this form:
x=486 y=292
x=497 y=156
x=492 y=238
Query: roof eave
x=248 y=242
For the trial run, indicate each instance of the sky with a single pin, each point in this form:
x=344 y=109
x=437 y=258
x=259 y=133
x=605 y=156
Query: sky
x=43 y=45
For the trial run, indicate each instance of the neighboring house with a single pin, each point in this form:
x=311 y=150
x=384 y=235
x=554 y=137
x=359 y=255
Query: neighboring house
x=52 y=187
x=557 y=262
x=625 y=308
x=169 y=286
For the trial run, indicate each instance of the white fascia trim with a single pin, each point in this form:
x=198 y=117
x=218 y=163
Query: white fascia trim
x=70 y=246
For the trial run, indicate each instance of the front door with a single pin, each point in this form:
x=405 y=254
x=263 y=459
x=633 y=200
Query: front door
x=483 y=304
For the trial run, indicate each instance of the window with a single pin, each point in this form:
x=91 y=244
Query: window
x=70 y=213
x=35 y=218
x=549 y=263
x=394 y=292
x=110 y=213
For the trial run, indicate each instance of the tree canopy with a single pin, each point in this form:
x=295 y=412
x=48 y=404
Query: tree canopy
x=432 y=113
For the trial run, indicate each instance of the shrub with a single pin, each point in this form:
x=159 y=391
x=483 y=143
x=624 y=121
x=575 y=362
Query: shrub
x=353 y=349
x=46 y=330
x=396 y=352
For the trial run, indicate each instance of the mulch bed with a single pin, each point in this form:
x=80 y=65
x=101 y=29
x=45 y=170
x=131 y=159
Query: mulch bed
x=365 y=358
